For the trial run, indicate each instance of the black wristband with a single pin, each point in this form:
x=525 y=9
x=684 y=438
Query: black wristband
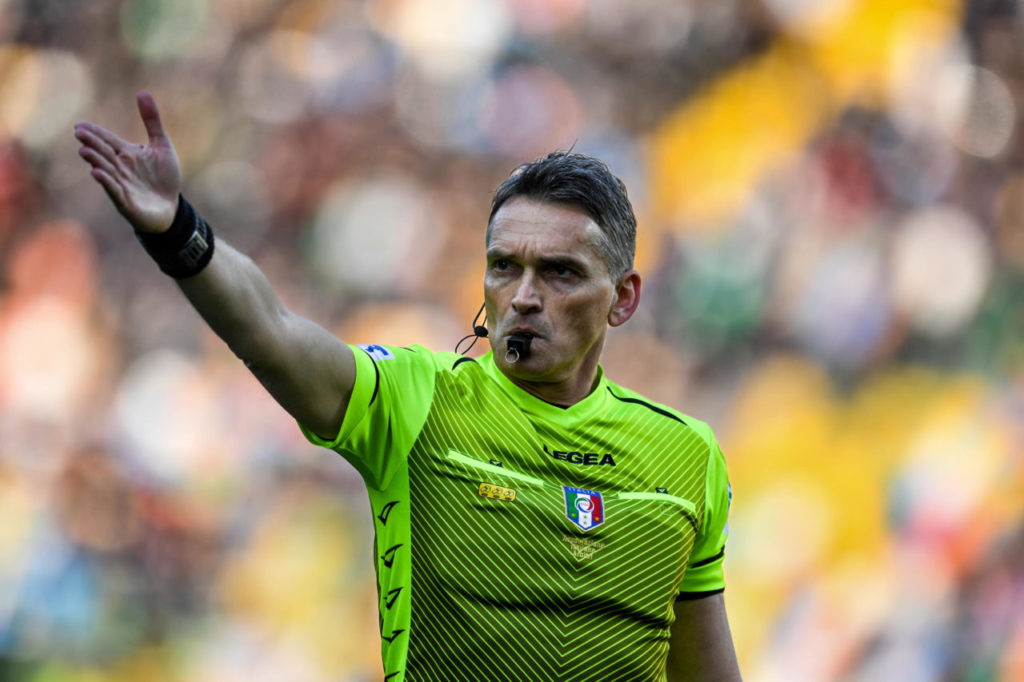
x=185 y=248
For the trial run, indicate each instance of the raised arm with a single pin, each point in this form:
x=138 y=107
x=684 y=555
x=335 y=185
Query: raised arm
x=308 y=370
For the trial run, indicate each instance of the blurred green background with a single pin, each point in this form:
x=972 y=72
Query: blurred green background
x=831 y=206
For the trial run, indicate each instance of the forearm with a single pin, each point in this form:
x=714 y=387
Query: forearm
x=239 y=304
x=307 y=370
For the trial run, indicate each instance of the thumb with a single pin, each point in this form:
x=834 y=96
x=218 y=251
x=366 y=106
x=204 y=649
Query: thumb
x=151 y=119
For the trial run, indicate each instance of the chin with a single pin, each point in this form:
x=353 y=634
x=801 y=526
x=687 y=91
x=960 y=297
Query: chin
x=528 y=365
x=535 y=369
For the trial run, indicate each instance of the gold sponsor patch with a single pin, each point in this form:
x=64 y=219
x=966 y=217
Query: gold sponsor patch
x=497 y=492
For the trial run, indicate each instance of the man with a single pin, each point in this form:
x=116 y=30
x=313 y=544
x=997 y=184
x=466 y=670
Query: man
x=534 y=521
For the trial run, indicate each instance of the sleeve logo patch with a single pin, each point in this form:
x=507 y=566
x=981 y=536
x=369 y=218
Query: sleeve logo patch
x=496 y=492
x=376 y=352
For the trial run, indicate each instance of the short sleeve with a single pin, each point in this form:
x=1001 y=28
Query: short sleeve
x=705 y=575
x=389 y=405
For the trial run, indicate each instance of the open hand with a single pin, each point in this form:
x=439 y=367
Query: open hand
x=143 y=181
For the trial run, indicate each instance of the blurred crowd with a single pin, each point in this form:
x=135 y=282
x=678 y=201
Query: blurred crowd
x=831 y=206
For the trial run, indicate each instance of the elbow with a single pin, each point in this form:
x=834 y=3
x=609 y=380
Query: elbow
x=258 y=345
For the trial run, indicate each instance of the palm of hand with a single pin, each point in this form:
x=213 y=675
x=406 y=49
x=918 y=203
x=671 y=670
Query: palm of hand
x=143 y=181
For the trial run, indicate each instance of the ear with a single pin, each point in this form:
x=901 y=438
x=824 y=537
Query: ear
x=627 y=298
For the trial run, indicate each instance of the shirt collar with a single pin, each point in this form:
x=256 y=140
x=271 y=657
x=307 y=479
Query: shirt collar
x=592 y=404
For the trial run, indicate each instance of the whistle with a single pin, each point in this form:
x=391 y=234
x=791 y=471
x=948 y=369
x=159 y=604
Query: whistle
x=518 y=347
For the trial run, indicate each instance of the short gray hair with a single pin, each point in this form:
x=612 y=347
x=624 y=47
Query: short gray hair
x=570 y=178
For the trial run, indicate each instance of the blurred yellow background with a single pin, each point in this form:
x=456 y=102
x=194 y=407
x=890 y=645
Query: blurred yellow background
x=831 y=205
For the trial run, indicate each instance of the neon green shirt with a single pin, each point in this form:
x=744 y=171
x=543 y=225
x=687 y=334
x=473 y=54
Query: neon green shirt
x=518 y=540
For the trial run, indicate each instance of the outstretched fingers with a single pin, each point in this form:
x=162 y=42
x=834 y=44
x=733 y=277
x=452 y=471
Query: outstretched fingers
x=111 y=186
x=105 y=172
x=98 y=151
x=151 y=118
x=97 y=146
x=93 y=134
x=97 y=160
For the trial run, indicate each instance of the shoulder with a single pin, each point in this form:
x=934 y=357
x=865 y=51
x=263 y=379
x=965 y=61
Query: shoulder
x=401 y=373
x=629 y=399
x=415 y=355
x=657 y=413
x=400 y=365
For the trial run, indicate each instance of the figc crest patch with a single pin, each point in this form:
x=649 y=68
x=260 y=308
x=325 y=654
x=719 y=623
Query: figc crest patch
x=585 y=508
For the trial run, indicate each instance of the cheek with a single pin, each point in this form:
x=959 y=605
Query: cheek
x=496 y=301
x=587 y=316
x=495 y=283
x=491 y=289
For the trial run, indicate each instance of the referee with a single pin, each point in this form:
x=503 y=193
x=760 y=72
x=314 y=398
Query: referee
x=534 y=520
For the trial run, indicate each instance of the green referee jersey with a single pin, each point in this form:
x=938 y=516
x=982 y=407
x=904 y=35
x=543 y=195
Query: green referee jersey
x=518 y=540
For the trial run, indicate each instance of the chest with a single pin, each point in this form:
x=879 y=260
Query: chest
x=515 y=510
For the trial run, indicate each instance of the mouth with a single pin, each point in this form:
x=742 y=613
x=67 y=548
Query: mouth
x=517 y=346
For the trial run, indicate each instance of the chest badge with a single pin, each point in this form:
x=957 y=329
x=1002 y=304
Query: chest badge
x=585 y=508
x=497 y=492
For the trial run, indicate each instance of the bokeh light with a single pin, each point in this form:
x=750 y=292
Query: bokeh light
x=273 y=78
x=979 y=115
x=539 y=17
x=940 y=267
x=167 y=415
x=531 y=110
x=41 y=93
x=376 y=237
x=163 y=29
x=446 y=39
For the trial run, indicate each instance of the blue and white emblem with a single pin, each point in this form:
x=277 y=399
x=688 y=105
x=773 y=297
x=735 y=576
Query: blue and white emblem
x=376 y=352
x=585 y=508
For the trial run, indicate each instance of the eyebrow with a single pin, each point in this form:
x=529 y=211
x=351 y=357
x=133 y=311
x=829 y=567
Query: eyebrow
x=566 y=261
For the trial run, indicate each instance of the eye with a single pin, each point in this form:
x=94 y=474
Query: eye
x=561 y=270
x=500 y=264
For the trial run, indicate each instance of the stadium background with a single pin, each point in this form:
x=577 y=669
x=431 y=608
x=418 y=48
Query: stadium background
x=831 y=199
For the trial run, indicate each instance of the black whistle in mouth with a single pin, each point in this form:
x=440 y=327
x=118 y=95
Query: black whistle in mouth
x=518 y=347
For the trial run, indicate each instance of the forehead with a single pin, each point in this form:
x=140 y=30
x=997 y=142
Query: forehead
x=527 y=227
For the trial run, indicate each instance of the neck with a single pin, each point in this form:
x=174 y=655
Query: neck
x=561 y=392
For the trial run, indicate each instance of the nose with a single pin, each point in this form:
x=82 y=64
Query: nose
x=527 y=298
